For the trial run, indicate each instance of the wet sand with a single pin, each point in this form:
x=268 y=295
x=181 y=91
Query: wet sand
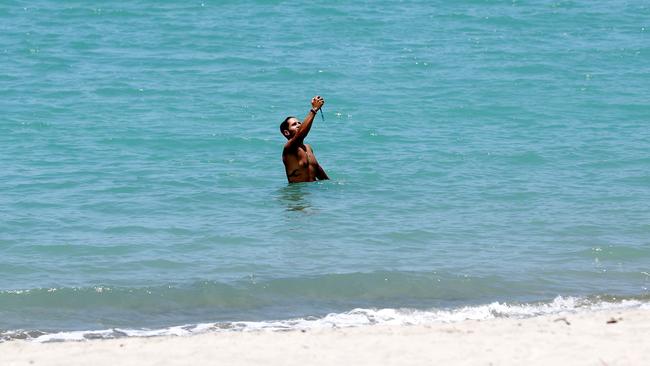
x=615 y=337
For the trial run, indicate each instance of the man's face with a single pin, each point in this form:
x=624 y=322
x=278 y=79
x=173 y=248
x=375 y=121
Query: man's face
x=294 y=124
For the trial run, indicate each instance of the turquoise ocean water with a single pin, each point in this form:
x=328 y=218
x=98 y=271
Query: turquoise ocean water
x=488 y=158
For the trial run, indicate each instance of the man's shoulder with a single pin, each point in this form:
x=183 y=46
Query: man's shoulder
x=290 y=148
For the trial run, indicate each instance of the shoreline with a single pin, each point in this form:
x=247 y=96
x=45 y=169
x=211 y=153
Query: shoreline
x=357 y=317
x=603 y=337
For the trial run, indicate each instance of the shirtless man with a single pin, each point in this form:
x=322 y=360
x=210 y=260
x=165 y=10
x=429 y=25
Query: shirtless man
x=298 y=158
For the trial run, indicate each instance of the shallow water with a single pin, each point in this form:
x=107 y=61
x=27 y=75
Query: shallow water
x=479 y=151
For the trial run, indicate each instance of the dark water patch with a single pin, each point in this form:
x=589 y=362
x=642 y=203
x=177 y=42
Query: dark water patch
x=156 y=306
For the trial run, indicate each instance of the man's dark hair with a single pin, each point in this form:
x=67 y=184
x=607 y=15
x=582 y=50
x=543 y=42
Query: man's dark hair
x=285 y=124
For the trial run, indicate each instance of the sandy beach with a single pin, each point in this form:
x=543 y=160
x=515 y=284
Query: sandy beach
x=617 y=337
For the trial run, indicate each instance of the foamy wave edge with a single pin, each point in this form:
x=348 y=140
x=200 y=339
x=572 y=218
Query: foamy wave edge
x=353 y=318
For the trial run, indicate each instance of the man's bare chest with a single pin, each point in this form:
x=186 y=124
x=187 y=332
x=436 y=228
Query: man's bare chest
x=303 y=156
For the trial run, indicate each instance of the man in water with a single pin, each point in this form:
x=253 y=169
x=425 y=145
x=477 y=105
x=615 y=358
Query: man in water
x=299 y=161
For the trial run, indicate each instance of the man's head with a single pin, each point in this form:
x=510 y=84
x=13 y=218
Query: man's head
x=289 y=127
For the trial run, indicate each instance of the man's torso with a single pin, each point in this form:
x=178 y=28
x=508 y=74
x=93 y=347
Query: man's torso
x=300 y=165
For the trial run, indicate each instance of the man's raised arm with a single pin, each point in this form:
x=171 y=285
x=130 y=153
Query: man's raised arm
x=297 y=140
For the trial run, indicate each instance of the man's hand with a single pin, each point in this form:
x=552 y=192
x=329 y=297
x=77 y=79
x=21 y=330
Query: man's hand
x=317 y=102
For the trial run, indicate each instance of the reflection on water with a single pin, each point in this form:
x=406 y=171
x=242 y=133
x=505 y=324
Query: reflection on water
x=295 y=196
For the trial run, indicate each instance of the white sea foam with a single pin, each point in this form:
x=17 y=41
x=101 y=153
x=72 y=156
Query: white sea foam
x=360 y=317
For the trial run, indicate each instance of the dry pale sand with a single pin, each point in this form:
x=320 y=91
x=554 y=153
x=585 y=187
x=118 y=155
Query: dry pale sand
x=578 y=339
